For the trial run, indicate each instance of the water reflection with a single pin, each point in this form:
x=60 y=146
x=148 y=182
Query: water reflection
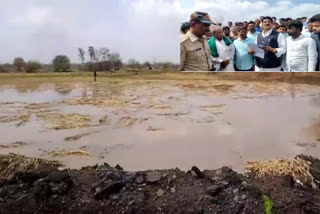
x=84 y=93
x=315 y=101
x=314 y=128
x=63 y=89
x=26 y=88
x=37 y=93
x=292 y=91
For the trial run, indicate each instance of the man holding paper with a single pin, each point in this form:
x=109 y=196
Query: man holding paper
x=273 y=45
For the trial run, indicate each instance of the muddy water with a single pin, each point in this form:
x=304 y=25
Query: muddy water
x=160 y=124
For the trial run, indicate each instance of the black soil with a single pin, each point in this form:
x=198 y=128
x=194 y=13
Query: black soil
x=106 y=189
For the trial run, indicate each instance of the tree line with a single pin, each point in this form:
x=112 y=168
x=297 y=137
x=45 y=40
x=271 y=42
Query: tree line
x=93 y=59
x=99 y=59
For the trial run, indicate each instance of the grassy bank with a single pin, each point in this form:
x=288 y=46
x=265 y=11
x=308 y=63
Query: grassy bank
x=302 y=78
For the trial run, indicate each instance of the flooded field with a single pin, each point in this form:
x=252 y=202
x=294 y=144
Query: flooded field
x=147 y=124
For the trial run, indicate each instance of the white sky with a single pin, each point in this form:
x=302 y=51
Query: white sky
x=146 y=30
x=40 y=29
x=245 y=10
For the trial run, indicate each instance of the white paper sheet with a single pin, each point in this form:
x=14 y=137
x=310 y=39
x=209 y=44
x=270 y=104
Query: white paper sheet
x=259 y=52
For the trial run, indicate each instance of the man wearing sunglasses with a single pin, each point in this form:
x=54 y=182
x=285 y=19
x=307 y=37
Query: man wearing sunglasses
x=194 y=50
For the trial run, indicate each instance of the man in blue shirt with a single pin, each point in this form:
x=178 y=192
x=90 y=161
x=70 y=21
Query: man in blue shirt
x=258 y=29
x=244 y=59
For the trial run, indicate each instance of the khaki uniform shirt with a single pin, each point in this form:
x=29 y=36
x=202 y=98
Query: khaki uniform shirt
x=194 y=53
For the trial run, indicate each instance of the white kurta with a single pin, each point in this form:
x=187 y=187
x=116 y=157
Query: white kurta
x=302 y=54
x=225 y=52
x=307 y=33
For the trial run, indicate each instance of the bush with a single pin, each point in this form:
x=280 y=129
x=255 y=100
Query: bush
x=61 y=63
x=3 y=69
x=19 y=63
x=33 y=66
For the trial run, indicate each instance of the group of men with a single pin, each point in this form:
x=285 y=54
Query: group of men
x=261 y=46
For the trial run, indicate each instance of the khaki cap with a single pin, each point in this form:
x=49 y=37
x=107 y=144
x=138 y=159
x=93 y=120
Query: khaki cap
x=201 y=17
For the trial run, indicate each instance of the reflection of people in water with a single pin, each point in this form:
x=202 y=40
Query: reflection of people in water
x=292 y=91
x=84 y=92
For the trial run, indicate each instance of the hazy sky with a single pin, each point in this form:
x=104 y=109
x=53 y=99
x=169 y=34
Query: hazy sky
x=242 y=10
x=140 y=29
x=41 y=29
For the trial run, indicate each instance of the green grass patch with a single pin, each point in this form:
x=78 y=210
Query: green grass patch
x=268 y=205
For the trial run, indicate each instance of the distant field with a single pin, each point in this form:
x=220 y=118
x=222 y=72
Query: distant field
x=304 y=77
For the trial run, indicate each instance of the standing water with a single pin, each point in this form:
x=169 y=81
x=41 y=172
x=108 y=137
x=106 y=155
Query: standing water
x=159 y=124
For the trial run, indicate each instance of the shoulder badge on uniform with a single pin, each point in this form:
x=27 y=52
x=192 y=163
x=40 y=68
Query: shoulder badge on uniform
x=183 y=38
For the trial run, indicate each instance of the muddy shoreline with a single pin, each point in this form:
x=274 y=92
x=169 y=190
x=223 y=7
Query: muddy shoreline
x=45 y=188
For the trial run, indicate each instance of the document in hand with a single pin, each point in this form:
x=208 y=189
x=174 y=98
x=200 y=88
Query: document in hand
x=259 y=52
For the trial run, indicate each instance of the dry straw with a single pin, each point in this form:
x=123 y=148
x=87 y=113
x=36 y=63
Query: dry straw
x=299 y=168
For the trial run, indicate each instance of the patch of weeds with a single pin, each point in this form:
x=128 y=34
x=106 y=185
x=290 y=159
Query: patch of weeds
x=268 y=204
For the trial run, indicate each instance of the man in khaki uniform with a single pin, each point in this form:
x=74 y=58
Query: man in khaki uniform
x=194 y=50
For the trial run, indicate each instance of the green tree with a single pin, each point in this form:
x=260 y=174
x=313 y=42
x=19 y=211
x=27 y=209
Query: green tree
x=133 y=63
x=61 y=63
x=147 y=65
x=33 y=66
x=19 y=63
x=115 y=60
x=82 y=55
x=92 y=53
x=3 y=69
x=104 y=53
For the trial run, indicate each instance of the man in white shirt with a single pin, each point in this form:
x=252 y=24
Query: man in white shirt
x=222 y=50
x=305 y=23
x=284 y=31
x=307 y=32
x=301 y=50
x=274 y=45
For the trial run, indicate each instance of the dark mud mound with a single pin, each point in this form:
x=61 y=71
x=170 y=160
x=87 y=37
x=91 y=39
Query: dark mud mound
x=106 y=189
